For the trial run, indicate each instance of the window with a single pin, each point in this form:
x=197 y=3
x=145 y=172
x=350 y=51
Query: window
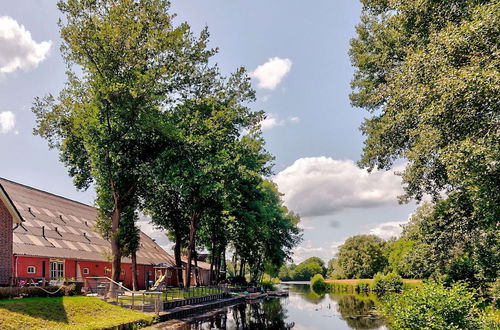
x=107 y=271
x=31 y=270
x=56 y=270
x=85 y=271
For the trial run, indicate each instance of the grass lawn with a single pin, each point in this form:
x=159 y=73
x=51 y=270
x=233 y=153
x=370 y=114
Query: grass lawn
x=64 y=313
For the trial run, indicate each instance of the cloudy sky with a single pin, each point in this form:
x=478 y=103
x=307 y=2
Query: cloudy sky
x=297 y=56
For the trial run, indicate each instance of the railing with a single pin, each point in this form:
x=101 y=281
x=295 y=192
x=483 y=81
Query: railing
x=191 y=292
x=115 y=293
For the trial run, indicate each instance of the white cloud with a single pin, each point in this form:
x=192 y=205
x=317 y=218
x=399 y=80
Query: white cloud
x=270 y=74
x=272 y=121
x=306 y=250
x=320 y=186
x=389 y=229
x=7 y=122
x=17 y=48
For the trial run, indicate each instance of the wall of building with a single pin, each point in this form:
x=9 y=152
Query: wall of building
x=78 y=268
x=5 y=245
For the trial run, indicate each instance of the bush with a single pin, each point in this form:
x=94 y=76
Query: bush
x=433 y=306
x=268 y=286
x=390 y=282
x=362 y=286
x=318 y=283
x=34 y=291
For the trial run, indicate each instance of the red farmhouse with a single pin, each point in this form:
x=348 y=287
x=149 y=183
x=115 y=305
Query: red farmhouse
x=47 y=236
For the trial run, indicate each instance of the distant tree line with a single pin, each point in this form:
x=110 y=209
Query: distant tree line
x=304 y=271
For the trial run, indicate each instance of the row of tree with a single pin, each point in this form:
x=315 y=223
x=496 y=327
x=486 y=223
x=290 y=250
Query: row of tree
x=151 y=123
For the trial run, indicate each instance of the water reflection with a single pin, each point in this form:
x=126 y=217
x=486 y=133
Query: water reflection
x=358 y=311
x=303 y=309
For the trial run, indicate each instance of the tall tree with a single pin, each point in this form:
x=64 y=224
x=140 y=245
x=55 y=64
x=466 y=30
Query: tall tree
x=108 y=121
x=428 y=71
x=360 y=256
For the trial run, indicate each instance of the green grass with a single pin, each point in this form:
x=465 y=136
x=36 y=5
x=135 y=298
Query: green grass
x=64 y=313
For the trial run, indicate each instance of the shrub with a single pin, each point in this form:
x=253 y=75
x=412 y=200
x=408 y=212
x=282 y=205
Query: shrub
x=268 y=286
x=318 y=283
x=34 y=291
x=390 y=282
x=433 y=306
x=362 y=286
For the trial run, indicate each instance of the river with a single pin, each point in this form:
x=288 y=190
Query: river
x=302 y=309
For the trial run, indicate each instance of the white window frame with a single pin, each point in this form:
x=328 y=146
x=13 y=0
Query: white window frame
x=57 y=270
x=31 y=267
x=86 y=271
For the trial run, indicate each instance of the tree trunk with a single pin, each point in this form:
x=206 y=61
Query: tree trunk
x=211 y=280
x=196 y=270
x=192 y=232
x=115 y=244
x=224 y=269
x=135 y=285
x=177 y=255
x=210 y=276
x=242 y=265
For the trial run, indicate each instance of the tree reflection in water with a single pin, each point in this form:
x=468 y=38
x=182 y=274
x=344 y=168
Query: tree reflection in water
x=304 y=308
x=358 y=311
x=266 y=314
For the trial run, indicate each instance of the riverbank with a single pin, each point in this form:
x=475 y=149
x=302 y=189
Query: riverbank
x=351 y=285
x=66 y=313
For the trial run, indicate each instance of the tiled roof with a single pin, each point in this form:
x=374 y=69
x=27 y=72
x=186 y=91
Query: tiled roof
x=69 y=229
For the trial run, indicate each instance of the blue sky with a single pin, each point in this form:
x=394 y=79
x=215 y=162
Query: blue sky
x=298 y=57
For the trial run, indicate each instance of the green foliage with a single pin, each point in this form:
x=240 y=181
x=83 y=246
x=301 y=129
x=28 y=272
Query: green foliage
x=287 y=272
x=109 y=122
x=303 y=271
x=362 y=286
x=428 y=73
x=387 y=283
x=268 y=285
x=32 y=291
x=433 y=306
x=360 y=256
x=318 y=283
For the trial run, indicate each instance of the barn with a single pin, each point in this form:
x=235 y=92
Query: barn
x=45 y=236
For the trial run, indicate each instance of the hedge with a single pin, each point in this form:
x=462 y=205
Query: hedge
x=35 y=291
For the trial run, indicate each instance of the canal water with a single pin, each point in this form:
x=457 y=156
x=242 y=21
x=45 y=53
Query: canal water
x=302 y=309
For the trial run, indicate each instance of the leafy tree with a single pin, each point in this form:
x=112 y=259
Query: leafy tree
x=305 y=271
x=431 y=71
x=361 y=256
x=108 y=122
x=428 y=73
x=272 y=228
x=448 y=241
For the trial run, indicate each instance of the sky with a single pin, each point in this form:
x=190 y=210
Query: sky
x=297 y=56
